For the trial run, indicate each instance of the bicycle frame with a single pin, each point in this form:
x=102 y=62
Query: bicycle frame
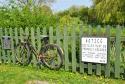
x=38 y=56
x=48 y=54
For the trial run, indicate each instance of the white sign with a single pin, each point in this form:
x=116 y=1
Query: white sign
x=94 y=49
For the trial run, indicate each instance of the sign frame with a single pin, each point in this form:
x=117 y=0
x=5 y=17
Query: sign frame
x=106 y=49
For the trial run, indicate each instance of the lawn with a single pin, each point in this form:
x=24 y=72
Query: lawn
x=15 y=74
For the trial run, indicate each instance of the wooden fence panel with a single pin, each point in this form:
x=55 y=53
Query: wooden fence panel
x=67 y=40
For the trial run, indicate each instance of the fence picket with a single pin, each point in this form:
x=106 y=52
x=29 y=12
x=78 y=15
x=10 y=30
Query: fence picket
x=38 y=40
x=90 y=64
x=73 y=49
x=5 y=57
x=98 y=69
x=33 y=43
x=44 y=31
x=7 y=32
x=107 y=67
x=58 y=35
x=66 y=49
x=117 y=58
x=12 y=45
x=51 y=34
x=80 y=51
x=1 y=45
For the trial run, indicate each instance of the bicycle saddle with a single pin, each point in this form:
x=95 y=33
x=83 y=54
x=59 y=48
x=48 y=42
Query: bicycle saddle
x=44 y=36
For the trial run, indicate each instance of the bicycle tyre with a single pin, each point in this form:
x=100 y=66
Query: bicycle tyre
x=46 y=60
x=22 y=54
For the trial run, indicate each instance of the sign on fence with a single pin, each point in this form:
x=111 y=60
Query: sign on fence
x=6 y=41
x=94 y=49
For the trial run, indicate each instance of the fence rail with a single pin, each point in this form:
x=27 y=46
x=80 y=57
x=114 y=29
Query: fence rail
x=70 y=41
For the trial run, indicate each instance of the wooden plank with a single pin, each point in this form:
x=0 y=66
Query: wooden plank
x=12 y=46
x=80 y=50
x=0 y=45
x=38 y=40
x=33 y=43
x=7 y=32
x=73 y=49
x=107 y=67
x=44 y=31
x=98 y=69
x=22 y=35
x=6 y=56
x=58 y=35
x=90 y=64
x=51 y=35
x=16 y=38
x=117 y=58
x=66 y=58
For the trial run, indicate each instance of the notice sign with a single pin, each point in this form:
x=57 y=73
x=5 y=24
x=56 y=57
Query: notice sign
x=94 y=49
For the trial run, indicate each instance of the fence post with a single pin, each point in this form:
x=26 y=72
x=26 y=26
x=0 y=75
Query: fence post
x=117 y=46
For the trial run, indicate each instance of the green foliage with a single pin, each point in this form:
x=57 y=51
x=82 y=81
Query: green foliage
x=26 y=17
x=11 y=74
x=101 y=12
x=80 y=13
x=110 y=11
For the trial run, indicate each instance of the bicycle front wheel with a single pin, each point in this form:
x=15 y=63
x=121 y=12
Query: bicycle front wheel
x=52 y=56
x=23 y=54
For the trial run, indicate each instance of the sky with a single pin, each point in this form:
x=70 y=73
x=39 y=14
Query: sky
x=60 y=5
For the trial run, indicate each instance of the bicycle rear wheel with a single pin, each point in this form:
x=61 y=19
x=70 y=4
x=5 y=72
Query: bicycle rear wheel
x=23 y=54
x=52 y=56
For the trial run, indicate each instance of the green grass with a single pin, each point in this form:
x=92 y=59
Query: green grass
x=14 y=74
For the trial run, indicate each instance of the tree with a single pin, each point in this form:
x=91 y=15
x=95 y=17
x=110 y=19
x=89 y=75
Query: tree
x=80 y=12
x=30 y=3
x=110 y=11
x=35 y=2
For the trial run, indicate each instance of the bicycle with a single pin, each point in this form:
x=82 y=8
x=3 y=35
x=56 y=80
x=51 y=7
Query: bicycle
x=50 y=55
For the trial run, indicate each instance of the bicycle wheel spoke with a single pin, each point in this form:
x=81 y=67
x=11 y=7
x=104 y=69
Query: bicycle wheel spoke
x=52 y=57
x=22 y=54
